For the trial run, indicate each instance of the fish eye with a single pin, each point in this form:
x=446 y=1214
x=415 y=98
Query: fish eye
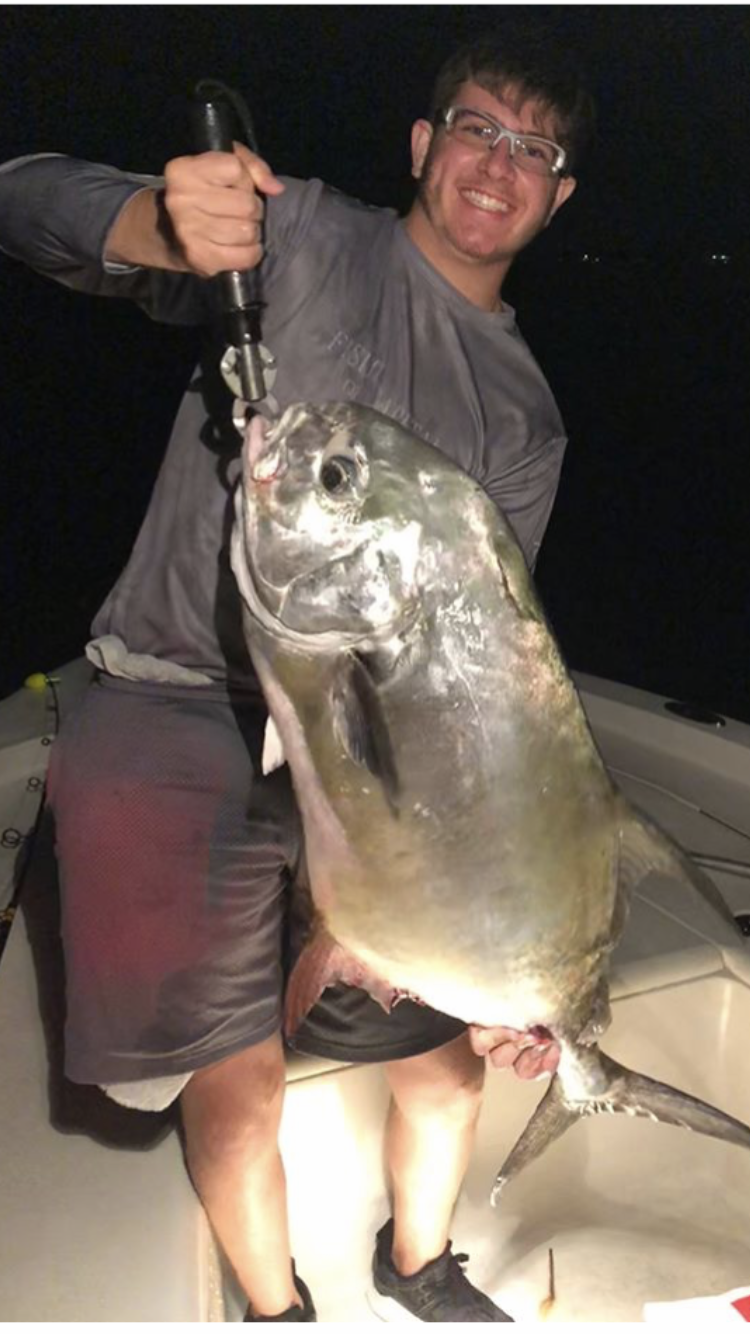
x=338 y=474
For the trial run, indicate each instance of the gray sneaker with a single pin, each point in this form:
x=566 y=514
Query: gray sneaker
x=438 y=1292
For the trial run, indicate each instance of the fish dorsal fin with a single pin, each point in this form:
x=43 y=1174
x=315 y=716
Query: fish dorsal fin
x=273 y=748
x=361 y=724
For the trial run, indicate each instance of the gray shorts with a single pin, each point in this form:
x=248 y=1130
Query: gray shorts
x=176 y=858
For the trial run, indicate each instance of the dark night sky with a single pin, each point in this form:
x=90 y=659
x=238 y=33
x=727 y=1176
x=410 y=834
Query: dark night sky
x=645 y=569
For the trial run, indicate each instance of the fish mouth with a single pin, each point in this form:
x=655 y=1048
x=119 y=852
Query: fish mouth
x=266 y=453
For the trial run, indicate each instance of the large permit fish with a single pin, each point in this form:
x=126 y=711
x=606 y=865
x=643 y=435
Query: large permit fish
x=465 y=844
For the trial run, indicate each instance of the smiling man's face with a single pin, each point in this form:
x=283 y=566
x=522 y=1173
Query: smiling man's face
x=476 y=207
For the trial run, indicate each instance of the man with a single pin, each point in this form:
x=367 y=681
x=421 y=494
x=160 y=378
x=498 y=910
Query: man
x=174 y=851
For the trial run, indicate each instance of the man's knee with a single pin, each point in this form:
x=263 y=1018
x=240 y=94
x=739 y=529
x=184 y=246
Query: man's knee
x=234 y=1107
x=447 y=1082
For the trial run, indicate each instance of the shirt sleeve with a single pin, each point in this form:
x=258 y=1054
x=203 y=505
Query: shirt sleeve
x=55 y=216
x=289 y=218
x=526 y=493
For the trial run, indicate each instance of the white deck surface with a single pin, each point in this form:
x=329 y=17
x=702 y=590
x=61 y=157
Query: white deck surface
x=634 y=1212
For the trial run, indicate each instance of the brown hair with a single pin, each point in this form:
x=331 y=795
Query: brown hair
x=533 y=65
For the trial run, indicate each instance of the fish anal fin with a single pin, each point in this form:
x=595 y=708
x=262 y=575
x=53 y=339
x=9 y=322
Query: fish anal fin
x=361 y=725
x=324 y=963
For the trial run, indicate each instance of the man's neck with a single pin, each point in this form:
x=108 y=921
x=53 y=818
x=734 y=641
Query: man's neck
x=479 y=283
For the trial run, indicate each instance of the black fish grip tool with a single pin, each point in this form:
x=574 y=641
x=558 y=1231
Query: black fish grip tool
x=219 y=115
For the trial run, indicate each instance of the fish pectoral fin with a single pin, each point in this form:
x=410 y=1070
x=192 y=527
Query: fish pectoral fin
x=323 y=963
x=361 y=724
x=639 y=1095
x=514 y=573
x=273 y=748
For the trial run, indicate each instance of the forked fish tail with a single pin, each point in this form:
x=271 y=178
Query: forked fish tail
x=616 y=1090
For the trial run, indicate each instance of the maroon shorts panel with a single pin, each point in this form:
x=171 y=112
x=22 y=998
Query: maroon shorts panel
x=176 y=855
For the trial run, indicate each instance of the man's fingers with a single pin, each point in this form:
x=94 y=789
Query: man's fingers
x=199 y=170
x=214 y=202
x=241 y=170
x=551 y=1059
x=483 y=1040
x=536 y=1062
x=241 y=205
x=230 y=231
x=258 y=169
x=529 y=1055
x=504 y=1056
x=528 y=1064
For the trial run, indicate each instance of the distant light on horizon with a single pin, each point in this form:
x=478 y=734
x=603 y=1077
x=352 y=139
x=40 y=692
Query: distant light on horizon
x=639 y=257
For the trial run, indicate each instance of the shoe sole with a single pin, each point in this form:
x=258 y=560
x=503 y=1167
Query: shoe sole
x=388 y=1309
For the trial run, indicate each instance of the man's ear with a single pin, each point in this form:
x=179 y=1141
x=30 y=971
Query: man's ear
x=421 y=138
x=565 y=187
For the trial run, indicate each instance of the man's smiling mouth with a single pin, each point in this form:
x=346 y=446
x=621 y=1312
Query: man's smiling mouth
x=490 y=203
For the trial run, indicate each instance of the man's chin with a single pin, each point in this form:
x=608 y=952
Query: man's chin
x=479 y=252
x=488 y=241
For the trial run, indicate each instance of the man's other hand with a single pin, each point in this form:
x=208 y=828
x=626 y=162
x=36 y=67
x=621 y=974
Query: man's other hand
x=531 y=1055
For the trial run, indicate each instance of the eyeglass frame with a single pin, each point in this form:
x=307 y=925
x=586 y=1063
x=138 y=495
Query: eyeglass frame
x=556 y=172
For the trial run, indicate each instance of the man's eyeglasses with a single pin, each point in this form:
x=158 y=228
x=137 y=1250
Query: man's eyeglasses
x=530 y=151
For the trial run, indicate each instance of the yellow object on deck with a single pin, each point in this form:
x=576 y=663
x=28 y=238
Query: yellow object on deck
x=37 y=681
x=546 y=1306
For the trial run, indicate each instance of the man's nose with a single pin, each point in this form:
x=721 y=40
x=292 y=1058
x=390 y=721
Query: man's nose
x=498 y=161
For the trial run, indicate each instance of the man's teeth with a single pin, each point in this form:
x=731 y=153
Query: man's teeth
x=488 y=202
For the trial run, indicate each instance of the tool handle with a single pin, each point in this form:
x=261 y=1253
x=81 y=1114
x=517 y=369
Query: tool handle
x=214 y=121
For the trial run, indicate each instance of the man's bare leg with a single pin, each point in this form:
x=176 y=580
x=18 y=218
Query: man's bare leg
x=429 y=1137
x=231 y=1113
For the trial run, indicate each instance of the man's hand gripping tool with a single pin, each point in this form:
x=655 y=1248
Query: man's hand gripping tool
x=219 y=116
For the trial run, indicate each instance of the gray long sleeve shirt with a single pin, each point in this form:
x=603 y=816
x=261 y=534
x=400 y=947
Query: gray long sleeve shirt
x=354 y=311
